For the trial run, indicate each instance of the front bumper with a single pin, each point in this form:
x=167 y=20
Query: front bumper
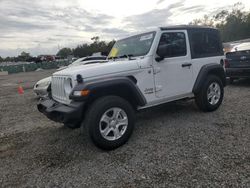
x=238 y=72
x=59 y=112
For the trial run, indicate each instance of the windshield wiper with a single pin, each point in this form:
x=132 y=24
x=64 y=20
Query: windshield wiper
x=122 y=56
x=127 y=56
x=113 y=58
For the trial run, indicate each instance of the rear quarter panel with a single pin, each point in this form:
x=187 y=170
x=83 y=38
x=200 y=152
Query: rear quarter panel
x=200 y=62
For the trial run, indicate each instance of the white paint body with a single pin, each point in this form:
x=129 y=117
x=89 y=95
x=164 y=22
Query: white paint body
x=41 y=87
x=168 y=80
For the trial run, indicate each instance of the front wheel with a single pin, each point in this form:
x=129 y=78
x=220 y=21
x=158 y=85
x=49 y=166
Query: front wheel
x=211 y=95
x=110 y=122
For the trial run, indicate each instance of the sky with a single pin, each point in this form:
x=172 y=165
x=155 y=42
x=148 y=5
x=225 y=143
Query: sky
x=44 y=26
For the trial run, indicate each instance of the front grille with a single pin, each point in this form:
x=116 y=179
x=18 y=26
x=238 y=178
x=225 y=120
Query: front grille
x=57 y=88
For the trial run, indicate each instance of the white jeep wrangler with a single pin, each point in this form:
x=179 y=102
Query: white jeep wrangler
x=145 y=70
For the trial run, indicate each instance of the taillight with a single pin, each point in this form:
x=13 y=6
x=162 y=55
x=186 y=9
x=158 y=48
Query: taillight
x=226 y=63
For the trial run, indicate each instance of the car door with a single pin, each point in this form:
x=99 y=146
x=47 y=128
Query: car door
x=173 y=73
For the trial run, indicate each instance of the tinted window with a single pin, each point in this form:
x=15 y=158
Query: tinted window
x=205 y=43
x=172 y=45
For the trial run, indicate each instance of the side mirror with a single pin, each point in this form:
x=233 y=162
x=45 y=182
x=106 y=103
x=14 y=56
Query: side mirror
x=158 y=59
x=161 y=52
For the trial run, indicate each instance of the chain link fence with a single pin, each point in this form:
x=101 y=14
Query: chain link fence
x=11 y=69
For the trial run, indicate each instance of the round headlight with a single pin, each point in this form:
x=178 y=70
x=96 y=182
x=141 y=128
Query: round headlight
x=43 y=84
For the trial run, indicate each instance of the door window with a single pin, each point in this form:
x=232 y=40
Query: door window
x=172 y=45
x=205 y=43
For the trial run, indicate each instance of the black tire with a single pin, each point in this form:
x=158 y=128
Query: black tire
x=201 y=98
x=93 y=117
x=72 y=125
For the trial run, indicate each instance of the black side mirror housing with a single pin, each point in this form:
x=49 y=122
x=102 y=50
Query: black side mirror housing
x=161 y=51
x=158 y=59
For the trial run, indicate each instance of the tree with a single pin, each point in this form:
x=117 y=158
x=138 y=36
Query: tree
x=96 y=46
x=205 y=21
x=64 y=52
x=9 y=59
x=24 y=56
x=233 y=24
x=95 y=39
x=1 y=59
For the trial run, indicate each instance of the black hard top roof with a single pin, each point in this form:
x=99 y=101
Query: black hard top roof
x=186 y=27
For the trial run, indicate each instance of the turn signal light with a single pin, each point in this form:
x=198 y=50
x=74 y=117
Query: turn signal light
x=84 y=92
x=81 y=93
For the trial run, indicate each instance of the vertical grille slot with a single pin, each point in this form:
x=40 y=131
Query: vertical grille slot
x=57 y=88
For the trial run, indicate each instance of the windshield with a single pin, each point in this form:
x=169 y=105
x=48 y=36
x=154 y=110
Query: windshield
x=138 y=45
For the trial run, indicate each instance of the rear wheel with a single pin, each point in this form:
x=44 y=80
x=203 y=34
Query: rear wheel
x=109 y=122
x=211 y=95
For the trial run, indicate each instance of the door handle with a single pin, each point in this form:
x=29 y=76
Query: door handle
x=186 y=65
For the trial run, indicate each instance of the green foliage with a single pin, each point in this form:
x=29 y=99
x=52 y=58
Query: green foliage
x=24 y=56
x=64 y=52
x=233 y=24
x=80 y=51
x=33 y=66
x=10 y=59
x=96 y=46
x=205 y=21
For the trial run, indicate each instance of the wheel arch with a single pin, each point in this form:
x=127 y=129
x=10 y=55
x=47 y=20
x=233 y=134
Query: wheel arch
x=124 y=87
x=209 y=69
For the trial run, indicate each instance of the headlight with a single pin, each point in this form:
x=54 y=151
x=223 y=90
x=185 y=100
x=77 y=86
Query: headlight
x=77 y=93
x=82 y=93
x=68 y=85
x=43 y=84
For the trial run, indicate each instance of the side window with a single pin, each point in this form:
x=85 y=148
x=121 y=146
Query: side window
x=172 y=45
x=205 y=44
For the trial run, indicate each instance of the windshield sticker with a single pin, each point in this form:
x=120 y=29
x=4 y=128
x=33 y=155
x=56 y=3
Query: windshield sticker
x=146 y=37
x=113 y=52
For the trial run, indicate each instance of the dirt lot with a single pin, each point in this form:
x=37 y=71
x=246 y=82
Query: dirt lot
x=174 y=145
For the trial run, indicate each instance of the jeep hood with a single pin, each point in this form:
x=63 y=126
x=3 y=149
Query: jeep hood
x=99 y=69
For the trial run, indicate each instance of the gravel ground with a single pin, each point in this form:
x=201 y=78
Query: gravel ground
x=174 y=145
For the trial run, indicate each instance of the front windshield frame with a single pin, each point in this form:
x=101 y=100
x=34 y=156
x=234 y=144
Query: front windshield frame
x=132 y=54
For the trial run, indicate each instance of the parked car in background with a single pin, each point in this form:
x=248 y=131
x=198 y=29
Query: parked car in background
x=42 y=86
x=237 y=63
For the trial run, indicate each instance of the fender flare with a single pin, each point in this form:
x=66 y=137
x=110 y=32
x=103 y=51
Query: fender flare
x=205 y=70
x=101 y=84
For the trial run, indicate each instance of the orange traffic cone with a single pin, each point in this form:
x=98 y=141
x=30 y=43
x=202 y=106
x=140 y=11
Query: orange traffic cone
x=20 y=90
